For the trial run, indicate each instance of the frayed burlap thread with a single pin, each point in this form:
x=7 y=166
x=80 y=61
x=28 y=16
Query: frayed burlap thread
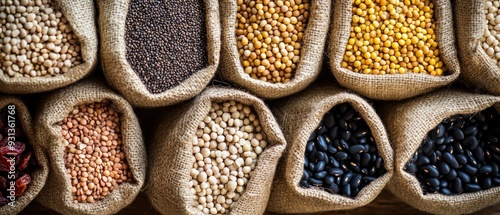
x=397 y=86
x=56 y=194
x=407 y=124
x=171 y=156
x=311 y=57
x=122 y=77
x=81 y=17
x=39 y=176
x=479 y=71
x=299 y=116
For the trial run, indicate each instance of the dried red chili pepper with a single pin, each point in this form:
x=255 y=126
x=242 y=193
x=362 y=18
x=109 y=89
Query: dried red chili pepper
x=21 y=184
x=24 y=161
x=3 y=183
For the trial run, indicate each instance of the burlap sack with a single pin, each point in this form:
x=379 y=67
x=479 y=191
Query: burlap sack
x=119 y=73
x=57 y=191
x=311 y=57
x=39 y=176
x=397 y=86
x=479 y=71
x=81 y=16
x=171 y=157
x=407 y=124
x=298 y=116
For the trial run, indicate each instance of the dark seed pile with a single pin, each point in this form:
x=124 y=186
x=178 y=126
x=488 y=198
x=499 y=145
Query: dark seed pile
x=166 y=41
x=460 y=155
x=341 y=154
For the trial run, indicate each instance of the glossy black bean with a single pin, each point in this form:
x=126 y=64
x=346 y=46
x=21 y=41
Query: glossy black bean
x=356 y=149
x=479 y=154
x=328 y=119
x=433 y=157
x=320 y=175
x=379 y=162
x=356 y=181
x=341 y=155
x=352 y=125
x=365 y=160
x=452 y=175
x=431 y=170
x=496 y=181
x=457 y=148
x=322 y=130
x=315 y=181
x=331 y=149
x=433 y=182
x=491 y=139
x=319 y=166
x=336 y=172
x=344 y=144
x=321 y=143
x=334 y=162
x=485 y=169
x=443 y=168
x=346 y=189
x=428 y=146
x=320 y=156
x=448 y=139
x=361 y=133
x=362 y=140
x=334 y=133
x=411 y=168
x=458 y=134
x=423 y=160
x=348 y=114
x=368 y=179
x=440 y=141
x=329 y=179
x=470 y=170
x=304 y=183
x=446 y=191
x=311 y=166
x=494 y=168
x=472 y=187
x=312 y=136
x=470 y=158
x=309 y=146
x=463 y=176
x=356 y=157
x=451 y=160
x=343 y=124
x=443 y=183
x=306 y=162
x=486 y=183
x=461 y=159
x=354 y=167
x=346 y=135
x=346 y=178
x=470 y=131
x=334 y=188
x=457 y=186
x=306 y=175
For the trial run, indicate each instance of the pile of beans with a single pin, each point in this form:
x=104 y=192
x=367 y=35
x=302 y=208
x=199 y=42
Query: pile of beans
x=393 y=37
x=166 y=41
x=269 y=35
x=17 y=161
x=35 y=39
x=460 y=155
x=490 y=38
x=341 y=154
x=226 y=148
x=93 y=154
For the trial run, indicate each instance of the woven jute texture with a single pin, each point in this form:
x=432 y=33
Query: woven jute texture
x=397 y=86
x=171 y=157
x=479 y=71
x=39 y=176
x=57 y=191
x=122 y=77
x=311 y=56
x=81 y=17
x=407 y=124
x=299 y=116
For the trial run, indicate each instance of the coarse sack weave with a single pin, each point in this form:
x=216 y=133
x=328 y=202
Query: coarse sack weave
x=299 y=116
x=478 y=69
x=311 y=57
x=39 y=176
x=57 y=191
x=171 y=156
x=81 y=17
x=397 y=86
x=122 y=77
x=407 y=124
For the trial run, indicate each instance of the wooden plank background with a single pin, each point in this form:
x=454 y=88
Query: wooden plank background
x=385 y=203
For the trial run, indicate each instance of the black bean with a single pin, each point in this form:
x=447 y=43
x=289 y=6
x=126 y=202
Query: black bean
x=494 y=168
x=348 y=115
x=496 y=181
x=486 y=183
x=470 y=131
x=356 y=181
x=336 y=172
x=332 y=149
x=346 y=189
x=491 y=139
x=334 y=162
x=440 y=141
x=319 y=166
x=320 y=156
x=334 y=188
x=361 y=133
x=355 y=149
x=423 y=160
x=320 y=175
x=457 y=148
x=368 y=179
x=346 y=178
x=412 y=168
x=322 y=130
x=379 y=162
x=365 y=160
x=485 y=169
x=461 y=159
x=431 y=170
x=433 y=182
x=458 y=134
x=446 y=191
x=315 y=181
x=443 y=183
x=457 y=186
x=452 y=175
x=304 y=183
x=329 y=179
x=472 y=187
x=443 y=168
x=341 y=155
x=346 y=135
x=450 y=159
x=328 y=119
x=311 y=166
x=309 y=146
x=470 y=169
x=344 y=144
x=354 y=167
x=321 y=143
x=463 y=176
x=433 y=157
x=334 y=132
x=479 y=154
x=343 y=124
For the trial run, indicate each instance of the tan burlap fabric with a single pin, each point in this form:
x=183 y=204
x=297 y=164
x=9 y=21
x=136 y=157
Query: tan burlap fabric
x=398 y=86
x=171 y=157
x=119 y=73
x=407 y=124
x=479 y=70
x=311 y=57
x=81 y=17
x=39 y=176
x=298 y=116
x=57 y=191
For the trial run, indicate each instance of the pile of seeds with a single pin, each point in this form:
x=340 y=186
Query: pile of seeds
x=269 y=35
x=93 y=154
x=14 y=147
x=490 y=38
x=460 y=155
x=36 y=40
x=341 y=154
x=166 y=41
x=393 y=37
x=226 y=148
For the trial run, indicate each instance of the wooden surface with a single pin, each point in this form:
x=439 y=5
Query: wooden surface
x=386 y=203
